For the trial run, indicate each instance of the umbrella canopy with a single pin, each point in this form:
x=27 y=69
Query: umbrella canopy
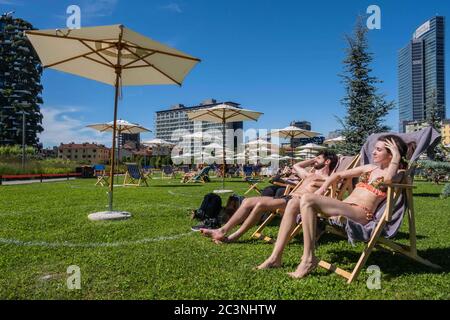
x=113 y=55
x=158 y=142
x=311 y=146
x=292 y=132
x=223 y=113
x=96 y=52
x=122 y=126
x=260 y=142
x=336 y=140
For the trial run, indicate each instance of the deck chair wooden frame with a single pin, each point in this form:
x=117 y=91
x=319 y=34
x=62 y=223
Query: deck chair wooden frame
x=200 y=176
x=336 y=191
x=377 y=240
x=102 y=177
x=134 y=176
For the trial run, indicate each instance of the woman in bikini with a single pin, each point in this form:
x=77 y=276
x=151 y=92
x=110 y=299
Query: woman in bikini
x=388 y=157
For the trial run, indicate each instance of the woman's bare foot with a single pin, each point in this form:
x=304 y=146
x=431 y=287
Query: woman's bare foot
x=269 y=264
x=304 y=268
x=224 y=240
x=215 y=234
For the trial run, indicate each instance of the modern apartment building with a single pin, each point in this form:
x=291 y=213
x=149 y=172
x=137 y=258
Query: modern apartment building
x=175 y=118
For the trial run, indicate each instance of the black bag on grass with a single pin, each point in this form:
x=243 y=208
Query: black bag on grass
x=209 y=209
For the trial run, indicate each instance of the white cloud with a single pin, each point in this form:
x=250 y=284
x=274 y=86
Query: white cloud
x=62 y=126
x=11 y=2
x=174 y=7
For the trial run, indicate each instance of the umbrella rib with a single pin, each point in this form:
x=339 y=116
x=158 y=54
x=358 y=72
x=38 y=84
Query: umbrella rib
x=96 y=52
x=163 y=52
x=247 y=116
x=66 y=37
x=125 y=66
x=105 y=64
x=150 y=65
x=84 y=55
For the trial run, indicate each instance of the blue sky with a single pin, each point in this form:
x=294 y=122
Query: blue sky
x=278 y=57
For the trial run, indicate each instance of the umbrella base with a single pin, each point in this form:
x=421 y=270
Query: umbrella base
x=222 y=191
x=109 y=215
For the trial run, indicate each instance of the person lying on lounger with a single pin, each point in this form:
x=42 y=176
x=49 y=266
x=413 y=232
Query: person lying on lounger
x=251 y=209
x=388 y=157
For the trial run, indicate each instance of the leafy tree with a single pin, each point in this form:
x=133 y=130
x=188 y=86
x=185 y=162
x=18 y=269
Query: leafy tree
x=366 y=108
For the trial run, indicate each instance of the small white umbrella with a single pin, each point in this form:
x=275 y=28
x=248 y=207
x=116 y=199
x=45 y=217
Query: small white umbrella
x=292 y=132
x=158 y=142
x=122 y=126
x=223 y=113
x=334 y=141
x=259 y=141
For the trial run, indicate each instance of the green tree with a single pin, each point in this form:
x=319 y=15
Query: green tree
x=365 y=108
x=20 y=83
x=433 y=117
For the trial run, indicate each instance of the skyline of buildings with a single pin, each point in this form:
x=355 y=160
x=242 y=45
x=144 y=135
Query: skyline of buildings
x=421 y=72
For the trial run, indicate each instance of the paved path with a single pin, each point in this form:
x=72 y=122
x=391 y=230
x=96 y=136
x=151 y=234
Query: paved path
x=15 y=182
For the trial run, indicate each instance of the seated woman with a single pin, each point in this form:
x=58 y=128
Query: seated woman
x=251 y=209
x=388 y=157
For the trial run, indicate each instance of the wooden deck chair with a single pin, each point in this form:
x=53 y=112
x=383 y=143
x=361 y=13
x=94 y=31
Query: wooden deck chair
x=167 y=171
x=134 y=176
x=251 y=176
x=337 y=191
x=100 y=174
x=202 y=176
x=389 y=216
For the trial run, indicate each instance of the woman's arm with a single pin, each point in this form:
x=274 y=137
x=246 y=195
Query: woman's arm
x=355 y=172
x=392 y=170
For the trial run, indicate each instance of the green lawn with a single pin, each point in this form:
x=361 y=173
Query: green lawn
x=154 y=255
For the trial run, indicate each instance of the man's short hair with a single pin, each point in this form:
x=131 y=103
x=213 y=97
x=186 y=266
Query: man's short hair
x=330 y=155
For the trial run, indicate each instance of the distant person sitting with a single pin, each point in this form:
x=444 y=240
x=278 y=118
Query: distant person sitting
x=251 y=210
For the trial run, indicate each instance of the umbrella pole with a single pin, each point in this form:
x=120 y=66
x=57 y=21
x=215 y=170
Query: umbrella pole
x=111 y=184
x=223 y=153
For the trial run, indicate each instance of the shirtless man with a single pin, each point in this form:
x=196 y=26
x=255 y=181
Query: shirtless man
x=251 y=209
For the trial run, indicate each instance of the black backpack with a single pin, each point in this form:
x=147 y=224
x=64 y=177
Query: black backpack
x=209 y=209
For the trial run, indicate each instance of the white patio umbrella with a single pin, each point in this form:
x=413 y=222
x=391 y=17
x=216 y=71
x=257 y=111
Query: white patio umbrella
x=334 y=141
x=223 y=113
x=292 y=132
x=114 y=55
x=158 y=142
x=122 y=126
x=310 y=148
x=259 y=141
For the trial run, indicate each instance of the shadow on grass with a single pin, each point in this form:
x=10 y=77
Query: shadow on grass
x=427 y=195
x=176 y=185
x=393 y=265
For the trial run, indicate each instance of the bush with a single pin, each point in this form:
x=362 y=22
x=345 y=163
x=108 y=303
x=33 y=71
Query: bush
x=436 y=171
x=446 y=191
x=48 y=166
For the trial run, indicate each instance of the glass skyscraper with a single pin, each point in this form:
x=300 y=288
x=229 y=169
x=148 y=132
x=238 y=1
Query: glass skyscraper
x=421 y=73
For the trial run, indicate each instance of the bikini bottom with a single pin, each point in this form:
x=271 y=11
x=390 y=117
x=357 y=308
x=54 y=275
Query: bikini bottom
x=369 y=214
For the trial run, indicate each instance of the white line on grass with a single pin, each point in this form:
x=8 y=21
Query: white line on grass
x=90 y=245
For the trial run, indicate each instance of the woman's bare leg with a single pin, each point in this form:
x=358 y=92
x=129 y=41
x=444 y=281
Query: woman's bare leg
x=286 y=228
x=264 y=204
x=238 y=217
x=310 y=205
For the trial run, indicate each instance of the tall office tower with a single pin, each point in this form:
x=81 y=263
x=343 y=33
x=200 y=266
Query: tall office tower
x=421 y=73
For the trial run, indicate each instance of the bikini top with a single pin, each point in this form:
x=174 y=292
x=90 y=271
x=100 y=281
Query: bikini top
x=377 y=186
